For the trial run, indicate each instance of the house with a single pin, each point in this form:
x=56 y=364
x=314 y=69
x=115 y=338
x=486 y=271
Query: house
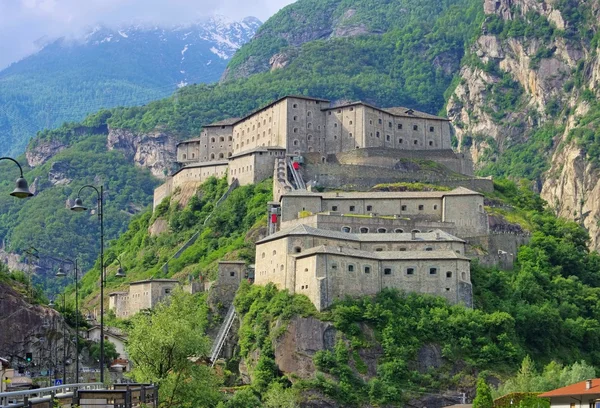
x=584 y=394
x=113 y=335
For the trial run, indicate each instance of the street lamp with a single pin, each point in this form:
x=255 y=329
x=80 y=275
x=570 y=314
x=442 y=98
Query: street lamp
x=21 y=188
x=60 y=274
x=79 y=207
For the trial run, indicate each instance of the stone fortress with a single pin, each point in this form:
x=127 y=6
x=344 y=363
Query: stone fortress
x=328 y=245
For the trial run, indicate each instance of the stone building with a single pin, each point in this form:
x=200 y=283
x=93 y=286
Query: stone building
x=327 y=265
x=246 y=148
x=145 y=294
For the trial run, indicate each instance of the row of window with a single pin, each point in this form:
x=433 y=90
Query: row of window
x=409 y=271
x=352 y=208
x=365 y=230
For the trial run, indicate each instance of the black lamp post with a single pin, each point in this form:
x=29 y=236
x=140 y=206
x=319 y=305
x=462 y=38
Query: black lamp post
x=61 y=274
x=21 y=188
x=79 y=207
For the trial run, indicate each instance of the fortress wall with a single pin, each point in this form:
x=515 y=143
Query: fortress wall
x=334 y=222
x=500 y=249
x=467 y=213
x=341 y=282
x=163 y=191
x=272 y=264
x=254 y=167
x=336 y=176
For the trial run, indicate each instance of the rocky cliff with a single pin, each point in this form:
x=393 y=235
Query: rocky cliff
x=155 y=150
x=532 y=68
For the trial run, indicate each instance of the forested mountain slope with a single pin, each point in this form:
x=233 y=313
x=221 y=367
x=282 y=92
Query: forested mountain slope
x=71 y=78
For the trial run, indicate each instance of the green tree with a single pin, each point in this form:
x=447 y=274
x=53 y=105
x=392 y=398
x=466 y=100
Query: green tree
x=483 y=399
x=161 y=344
x=110 y=352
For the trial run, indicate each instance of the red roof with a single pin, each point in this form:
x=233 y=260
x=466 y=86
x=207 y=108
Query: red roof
x=579 y=388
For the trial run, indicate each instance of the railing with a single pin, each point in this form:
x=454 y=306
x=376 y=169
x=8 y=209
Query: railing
x=298 y=180
x=26 y=397
x=222 y=335
x=87 y=395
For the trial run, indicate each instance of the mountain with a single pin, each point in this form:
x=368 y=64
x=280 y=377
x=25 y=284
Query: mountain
x=526 y=101
x=70 y=78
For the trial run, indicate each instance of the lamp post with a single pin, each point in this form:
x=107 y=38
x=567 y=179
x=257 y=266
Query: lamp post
x=21 y=188
x=61 y=274
x=79 y=207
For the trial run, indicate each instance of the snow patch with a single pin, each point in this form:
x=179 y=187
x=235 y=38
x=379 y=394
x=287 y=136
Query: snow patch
x=219 y=53
x=122 y=34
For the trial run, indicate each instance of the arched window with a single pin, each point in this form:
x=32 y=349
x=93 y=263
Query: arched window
x=212 y=140
x=221 y=155
x=416 y=231
x=346 y=229
x=399 y=231
x=364 y=230
x=263 y=255
x=296 y=142
x=184 y=156
x=463 y=276
x=274 y=253
x=382 y=230
x=222 y=139
x=193 y=155
x=212 y=156
x=309 y=138
x=308 y=113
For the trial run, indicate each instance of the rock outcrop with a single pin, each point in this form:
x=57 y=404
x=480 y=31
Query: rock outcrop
x=154 y=150
x=43 y=150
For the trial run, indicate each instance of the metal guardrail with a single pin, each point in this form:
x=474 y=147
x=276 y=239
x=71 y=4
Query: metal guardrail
x=22 y=398
x=222 y=335
x=85 y=395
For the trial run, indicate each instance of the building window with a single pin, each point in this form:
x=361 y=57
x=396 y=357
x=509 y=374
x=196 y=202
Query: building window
x=232 y=274
x=415 y=127
x=403 y=208
x=370 y=122
x=399 y=126
x=400 y=141
x=294 y=106
x=364 y=230
x=335 y=125
x=433 y=271
x=167 y=291
x=274 y=253
x=398 y=231
x=367 y=269
x=410 y=271
x=346 y=229
x=350 y=268
x=212 y=156
x=377 y=134
x=380 y=121
x=435 y=207
x=378 y=249
x=416 y=231
x=350 y=135
x=416 y=142
x=295 y=117
x=390 y=124
x=352 y=208
x=295 y=142
x=448 y=274
x=431 y=129
x=334 y=208
x=430 y=143
x=333 y=266
x=295 y=130
x=308 y=126
x=429 y=249
x=222 y=139
x=382 y=230
x=309 y=138
x=463 y=275
x=212 y=139
x=308 y=113
x=387 y=271
x=221 y=155
x=402 y=249
x=387 y=137
x=184 y=157
x=297 y=250
x=369 y=208
x=350 y=122
x=421 y=207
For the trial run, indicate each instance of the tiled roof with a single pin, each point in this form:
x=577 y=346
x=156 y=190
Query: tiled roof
x=351 y=195
x=303 y=229
x=579 y=388
x=258 y=149
x=202 y=164
x=395 y=111
x=383 y=255
x=155 y=280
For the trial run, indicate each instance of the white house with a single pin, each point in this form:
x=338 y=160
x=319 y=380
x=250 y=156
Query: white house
x=584 y=394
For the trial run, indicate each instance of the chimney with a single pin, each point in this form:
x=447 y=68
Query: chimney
x=588 y=384
x=413 y=235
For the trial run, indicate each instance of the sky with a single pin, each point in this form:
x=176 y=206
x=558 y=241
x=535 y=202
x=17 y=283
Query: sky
x=24 y=24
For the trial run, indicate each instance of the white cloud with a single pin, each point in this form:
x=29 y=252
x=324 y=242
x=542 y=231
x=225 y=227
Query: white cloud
x=22 y=22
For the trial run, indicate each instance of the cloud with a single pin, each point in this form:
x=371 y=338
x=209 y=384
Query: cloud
x=22 y=22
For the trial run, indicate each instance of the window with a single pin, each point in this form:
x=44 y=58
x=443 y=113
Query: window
x=448 y=274
x=431 y=129
x=333 y=266
x=212 y=139
x=463 y=275
x=212 y=156
x=232 y=274
x=221 y=139
x=364 y=230
x=352 y=208
x=367 y=269
x=390 y=124
x=387 y=271
x=399 y=126
x=274 y=253
x=297 y=250
x=382 y=230
x=334 y=208
x=295 y=143
x=308 y=113
x=346 y=229
x=335 y=125
x=433 y=271
x=387 y=137
x=369 y=208
x=421 y=207
x=429 y=249
x=295 y=106
x=370 y=122
x=350 y=135
x=350 y=122
x=263 y=255
x=309 y=138
x=295 y=130
x=435 y=207
x=167 y=291
x=350 y=268
x=295 y=117
x=430 y=143
x=398 y=231
x=416 y=142
x=184 y=157
x=415 y=127
x=308 y=126
x=400 y=141
x=378 y=249
x=416 y=231
x=380 y=122
x=403 y=208
x=410 y=271
x=377 y=134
